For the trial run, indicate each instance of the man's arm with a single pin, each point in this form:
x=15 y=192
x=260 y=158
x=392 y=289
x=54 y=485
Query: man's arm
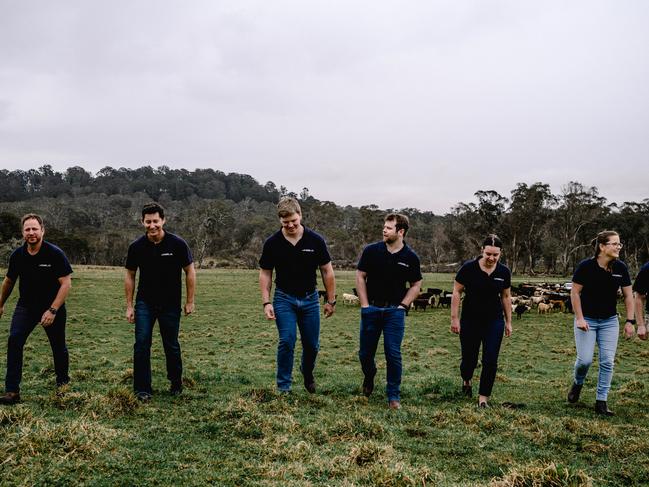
x=65 y=283
x=413 y=291
x=265 y=286
x=329 y=280
x=506 y=299
x=190 y=284
x=640 y=304
x=361 y=288
x=129 y=288
x=458 y=289
x=5 y=292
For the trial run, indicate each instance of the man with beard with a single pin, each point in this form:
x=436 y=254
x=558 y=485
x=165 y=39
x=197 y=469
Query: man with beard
x=45 y=280
x=381 y=276
x=160 y=256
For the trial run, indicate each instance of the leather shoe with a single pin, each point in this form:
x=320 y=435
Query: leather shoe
x=310 y=387
x=602 y=408
x=394 y=404
x=467 y=390
x=10 y=398
x=368 y=387
x=176 y=389
x=575 y=391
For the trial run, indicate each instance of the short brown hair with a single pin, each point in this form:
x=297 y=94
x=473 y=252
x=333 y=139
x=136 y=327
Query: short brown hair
x=402 y=221
x=152 y=209
x=288 y=206
x=31 y=216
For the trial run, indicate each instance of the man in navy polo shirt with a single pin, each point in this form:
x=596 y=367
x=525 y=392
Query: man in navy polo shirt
x=45 y=280
x=295 y=252
x=641 y=288
x=383 y=271
x=160 y=256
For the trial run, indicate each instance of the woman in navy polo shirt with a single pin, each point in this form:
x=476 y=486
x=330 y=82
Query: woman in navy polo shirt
x=595 y=285
x=486 y=314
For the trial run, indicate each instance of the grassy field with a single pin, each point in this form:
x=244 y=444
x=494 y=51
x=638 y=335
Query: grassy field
x=231 y=428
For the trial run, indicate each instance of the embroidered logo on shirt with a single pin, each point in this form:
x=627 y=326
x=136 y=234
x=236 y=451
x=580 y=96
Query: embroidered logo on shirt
x=403 y=264
x=167 y=254
x=617 y=275
x=44 y=265
x=308 y=250
x=498 y=279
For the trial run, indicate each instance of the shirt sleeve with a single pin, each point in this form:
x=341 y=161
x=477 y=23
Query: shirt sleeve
x=325 y=257
x=187 y=257
x=62 y=265
x=626 y=278
x=579 y=276
x=508 y=279
x=462 y=275
x=364 y=261
x=12 y=270
x=641 y=284
x=415 y=272
x=266 y=261
x=131 y=258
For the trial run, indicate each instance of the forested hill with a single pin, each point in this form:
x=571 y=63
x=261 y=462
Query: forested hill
x=226 y=217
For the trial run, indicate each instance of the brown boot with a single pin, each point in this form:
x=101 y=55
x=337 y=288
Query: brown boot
x=10 y=398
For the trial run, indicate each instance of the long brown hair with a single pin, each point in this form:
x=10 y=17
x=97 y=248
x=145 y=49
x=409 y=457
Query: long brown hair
x=602 y=238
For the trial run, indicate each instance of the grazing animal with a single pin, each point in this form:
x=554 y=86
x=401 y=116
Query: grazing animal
x=444 y=301
x=421 y=303
x=558 y=304
x=544 y=308
x=354 y=291
x=434 y=291
x=350 y=299
x=520 y=309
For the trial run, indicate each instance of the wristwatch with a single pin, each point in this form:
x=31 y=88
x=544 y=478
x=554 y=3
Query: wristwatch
x=53 y=310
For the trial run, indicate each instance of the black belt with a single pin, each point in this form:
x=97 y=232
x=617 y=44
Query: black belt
x=302 y=294
x=383 y=303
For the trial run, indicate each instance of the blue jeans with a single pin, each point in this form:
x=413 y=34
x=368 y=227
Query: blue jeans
x=291 y=313
x=23 y=323
x=605 y=333
x=392 y=323
x=169 y=322
x=489 y=334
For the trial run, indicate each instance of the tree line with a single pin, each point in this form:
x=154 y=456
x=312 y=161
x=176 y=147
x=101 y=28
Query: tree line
x=226 y=217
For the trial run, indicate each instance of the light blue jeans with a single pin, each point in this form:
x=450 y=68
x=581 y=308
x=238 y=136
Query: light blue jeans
x=605 y=333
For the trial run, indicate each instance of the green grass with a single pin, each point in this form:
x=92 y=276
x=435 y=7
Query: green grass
x=231 y=428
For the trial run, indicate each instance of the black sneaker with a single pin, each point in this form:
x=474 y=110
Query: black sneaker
x=602 y=408
x=10 y=398
x=467 y=390
x=310 y=386
x=368 y=386
x=143 y=396
x=176 y=389
x=573 y=394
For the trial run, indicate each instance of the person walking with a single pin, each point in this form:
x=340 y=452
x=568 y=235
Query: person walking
x=295 y=253
x=595 y=286
x=486 y=315
x=44 y=275
x=381 y=276
x=160 y=256
x=641 y=288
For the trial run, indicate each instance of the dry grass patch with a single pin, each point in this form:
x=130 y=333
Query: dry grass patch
x=548 y=475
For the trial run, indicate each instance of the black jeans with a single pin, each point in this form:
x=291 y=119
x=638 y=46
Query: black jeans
x=169 y=321
x=489 y=334
x=23 y=322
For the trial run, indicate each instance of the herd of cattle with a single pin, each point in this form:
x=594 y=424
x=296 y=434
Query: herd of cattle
x=544 y=297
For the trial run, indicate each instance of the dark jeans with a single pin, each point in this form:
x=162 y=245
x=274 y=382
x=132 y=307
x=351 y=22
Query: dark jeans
x=390 y=322
x=23 y=323
x=489 y=334
x=169 y=322
x=291 y=313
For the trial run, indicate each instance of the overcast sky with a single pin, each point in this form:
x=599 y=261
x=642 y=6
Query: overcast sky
x=399 y=103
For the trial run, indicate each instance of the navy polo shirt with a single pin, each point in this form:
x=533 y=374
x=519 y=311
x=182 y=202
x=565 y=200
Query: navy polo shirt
x=387 y=273
x=160 y=267
x=295 y=265
x=39 y=274
x=641 y=284
x=482 y=291
x=599 y=293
